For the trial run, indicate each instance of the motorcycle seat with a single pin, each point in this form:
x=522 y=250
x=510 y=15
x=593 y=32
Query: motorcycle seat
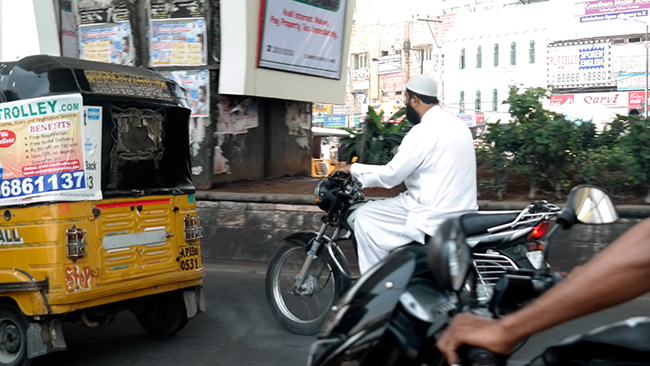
x=477 y=223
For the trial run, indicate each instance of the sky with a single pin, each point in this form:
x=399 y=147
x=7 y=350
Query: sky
x=371 y=11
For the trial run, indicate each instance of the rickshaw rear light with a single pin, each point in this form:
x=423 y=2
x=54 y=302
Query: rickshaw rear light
x=76 y=242
x=193 y=229
x=538 y=231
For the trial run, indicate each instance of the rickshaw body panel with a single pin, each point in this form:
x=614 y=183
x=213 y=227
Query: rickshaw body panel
x=135 y=236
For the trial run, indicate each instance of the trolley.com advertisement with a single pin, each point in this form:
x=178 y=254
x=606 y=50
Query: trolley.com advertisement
x=42 y=151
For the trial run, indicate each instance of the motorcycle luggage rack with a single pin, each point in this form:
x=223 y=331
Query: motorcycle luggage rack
x=528 y=217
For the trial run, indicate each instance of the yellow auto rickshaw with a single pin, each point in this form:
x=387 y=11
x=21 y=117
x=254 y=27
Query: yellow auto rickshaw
x=323 y=163
x=97 y=206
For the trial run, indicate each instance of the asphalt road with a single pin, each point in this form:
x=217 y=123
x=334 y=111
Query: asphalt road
x=238 y=328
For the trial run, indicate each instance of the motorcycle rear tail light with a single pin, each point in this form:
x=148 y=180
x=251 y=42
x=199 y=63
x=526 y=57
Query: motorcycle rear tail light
x=538 y=231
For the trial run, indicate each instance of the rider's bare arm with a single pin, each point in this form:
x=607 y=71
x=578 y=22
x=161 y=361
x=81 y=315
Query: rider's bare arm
x=618 y=274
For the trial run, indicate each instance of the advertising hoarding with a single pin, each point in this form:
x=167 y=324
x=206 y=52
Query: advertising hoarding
x=579 y=64
x=303 y=36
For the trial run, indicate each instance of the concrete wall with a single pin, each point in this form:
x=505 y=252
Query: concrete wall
x=279 y=145
x=250 y=231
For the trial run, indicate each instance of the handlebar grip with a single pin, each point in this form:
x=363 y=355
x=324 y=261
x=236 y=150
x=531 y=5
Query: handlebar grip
x=473 y=356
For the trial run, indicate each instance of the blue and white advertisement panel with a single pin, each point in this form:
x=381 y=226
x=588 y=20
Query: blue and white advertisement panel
x=579 y=65
x=304 y=36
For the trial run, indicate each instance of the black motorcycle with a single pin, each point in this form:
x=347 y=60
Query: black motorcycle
x=309 y=272
x=391 y=318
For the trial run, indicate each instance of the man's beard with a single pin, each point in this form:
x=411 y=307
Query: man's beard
x=412 y=115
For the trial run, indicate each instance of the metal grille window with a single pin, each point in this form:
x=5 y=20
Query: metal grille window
x=496 y=54
x=477 y=101
x=461 y=109
x=531 y=52
x=462 y=59
x=513 y=53
x=495 y=100
x=479 y=57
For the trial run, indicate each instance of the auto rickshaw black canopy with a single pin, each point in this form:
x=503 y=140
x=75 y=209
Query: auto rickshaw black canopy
x=145 y=118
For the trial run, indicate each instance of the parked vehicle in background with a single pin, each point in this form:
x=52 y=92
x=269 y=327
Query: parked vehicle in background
x=97 y=202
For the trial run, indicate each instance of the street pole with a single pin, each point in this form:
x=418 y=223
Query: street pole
x=422 y=60
x=645 y=112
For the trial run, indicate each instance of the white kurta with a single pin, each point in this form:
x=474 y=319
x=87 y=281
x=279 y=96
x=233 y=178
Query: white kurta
x=437 y=163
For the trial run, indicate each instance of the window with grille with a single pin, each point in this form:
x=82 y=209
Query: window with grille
x=462 y=59
x=495 y=100
x=496 y=54
x=479 y=57
x=461 y=109
x=531 y=52
x=513 y=53
x=477 y=101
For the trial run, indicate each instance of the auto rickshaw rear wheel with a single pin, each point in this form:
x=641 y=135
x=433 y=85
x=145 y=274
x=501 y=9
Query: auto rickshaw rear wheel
x=163 y=314
x=13 y=337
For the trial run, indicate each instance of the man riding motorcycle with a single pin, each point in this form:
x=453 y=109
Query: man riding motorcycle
x=437 y=163
x=618 y=274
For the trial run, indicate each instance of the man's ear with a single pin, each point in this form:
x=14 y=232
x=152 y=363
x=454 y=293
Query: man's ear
x=416 y=101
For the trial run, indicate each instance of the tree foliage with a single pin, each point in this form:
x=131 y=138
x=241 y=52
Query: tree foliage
x=378 y=141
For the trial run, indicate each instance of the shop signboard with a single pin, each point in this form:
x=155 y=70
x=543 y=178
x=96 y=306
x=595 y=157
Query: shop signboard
x=598 y=10
x=389 y=64
x=631 y=82
x=394 y=82
x=335 y=120
x=361 y=79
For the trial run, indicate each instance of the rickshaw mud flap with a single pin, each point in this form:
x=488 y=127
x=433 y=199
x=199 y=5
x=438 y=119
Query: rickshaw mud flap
x=194 y=299
x=45 y=337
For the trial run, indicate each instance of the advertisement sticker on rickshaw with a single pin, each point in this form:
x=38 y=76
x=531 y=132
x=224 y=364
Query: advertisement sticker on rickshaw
x=43 y=153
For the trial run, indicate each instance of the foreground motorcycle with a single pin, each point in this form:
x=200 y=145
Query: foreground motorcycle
x=389 y=318
x=309 y=272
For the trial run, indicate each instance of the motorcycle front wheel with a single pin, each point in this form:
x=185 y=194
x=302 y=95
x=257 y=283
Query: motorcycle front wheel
x=301 y=310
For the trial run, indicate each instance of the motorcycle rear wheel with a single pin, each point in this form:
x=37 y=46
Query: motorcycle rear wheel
x=302 y=311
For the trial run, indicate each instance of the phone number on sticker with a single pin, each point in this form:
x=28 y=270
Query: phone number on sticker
x=581 y=77
x=25 y=186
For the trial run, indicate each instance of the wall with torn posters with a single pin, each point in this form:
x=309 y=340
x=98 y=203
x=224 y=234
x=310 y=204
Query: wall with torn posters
x=232 y=137
x=260 y=137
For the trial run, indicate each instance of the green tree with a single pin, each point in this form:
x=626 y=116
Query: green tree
x=547 y=139
x=636 y=145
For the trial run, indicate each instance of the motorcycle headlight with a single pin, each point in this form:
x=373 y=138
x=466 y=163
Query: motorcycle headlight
x=323 y=195
x=449 y=256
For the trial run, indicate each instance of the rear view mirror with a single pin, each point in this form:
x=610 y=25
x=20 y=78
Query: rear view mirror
x=588 y=205
x=449 y=256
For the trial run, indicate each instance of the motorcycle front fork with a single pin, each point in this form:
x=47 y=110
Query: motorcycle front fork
x=312 y=254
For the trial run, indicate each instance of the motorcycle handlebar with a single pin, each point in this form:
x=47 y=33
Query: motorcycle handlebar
x=473 y=356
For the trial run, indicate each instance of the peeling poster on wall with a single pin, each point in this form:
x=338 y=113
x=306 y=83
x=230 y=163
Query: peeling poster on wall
x=237 y=118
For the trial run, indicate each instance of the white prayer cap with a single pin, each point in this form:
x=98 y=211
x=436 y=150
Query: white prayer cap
x=422 y=85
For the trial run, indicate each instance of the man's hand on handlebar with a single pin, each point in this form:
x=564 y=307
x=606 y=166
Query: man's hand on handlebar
x=476 y=331
x=341 y=168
